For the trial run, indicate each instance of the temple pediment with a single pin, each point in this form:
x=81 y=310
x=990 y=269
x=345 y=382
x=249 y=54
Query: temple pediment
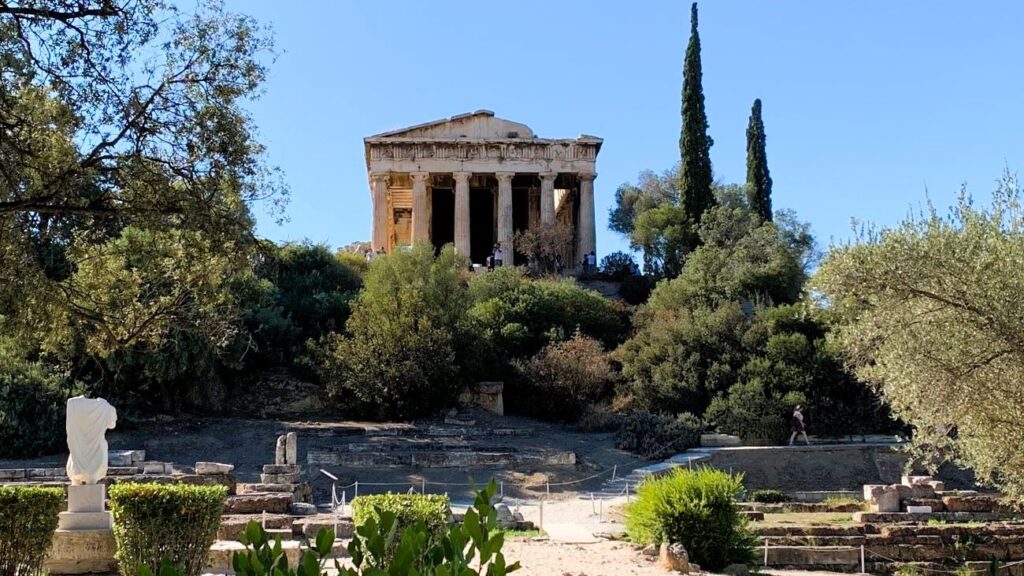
x=479 y=125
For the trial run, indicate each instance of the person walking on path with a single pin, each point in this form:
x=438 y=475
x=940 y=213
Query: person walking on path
x=796 y=423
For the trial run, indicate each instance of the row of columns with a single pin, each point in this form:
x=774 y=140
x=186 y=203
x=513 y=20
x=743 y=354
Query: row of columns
x=587 y=233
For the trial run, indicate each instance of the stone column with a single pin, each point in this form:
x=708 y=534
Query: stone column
x=547 y=197
x=462 y=244
x=420 y=221
x=587 y=227
x=505 y=214
x=379 y=193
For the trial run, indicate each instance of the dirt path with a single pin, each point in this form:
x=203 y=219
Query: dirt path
x=598 y=559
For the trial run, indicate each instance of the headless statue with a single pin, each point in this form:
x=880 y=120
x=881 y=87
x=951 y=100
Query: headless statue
x=88 y=419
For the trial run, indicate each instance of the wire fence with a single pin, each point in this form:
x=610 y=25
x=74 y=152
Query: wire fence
x=866 y=553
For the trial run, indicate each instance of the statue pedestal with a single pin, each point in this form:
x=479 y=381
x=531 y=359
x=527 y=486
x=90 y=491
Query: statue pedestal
x=86 y=509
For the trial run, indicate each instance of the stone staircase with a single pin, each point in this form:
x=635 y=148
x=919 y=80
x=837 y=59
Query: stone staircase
x=460 y=444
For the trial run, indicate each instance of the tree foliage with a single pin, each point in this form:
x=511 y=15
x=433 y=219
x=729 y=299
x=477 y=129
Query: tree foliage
x=759 y=180
x=732 y=339
x=930 y=311
x=697 y=194
x=130 y=117
x=564 y=379
x=517 y=317
x=402 y=351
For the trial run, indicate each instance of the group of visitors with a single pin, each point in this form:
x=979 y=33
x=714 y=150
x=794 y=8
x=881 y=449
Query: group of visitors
x=497 y=257
x=589 y=263
x=371 y=255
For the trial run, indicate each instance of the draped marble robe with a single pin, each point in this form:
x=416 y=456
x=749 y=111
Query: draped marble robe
x=88 y=419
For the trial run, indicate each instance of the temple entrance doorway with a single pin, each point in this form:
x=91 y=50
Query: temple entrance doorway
x=442 y=218
x=481 y=224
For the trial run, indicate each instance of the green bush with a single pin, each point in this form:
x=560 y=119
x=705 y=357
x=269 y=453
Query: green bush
x=407 y=343
x=768 y=496
x=564 y=379
x=599 y=419
x=173 y=522
x=432 y=510
x=32 y=405
x=753 y=413
x=619 y=266
x=657 y=435
x=519 y=317
x=695 y=508
x=28 y=517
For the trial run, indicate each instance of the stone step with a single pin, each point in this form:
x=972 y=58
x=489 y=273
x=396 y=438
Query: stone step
x=255 y=503
x=809 y=530
x=343 y=526
x=261 y=488
x=812 y=540
x=232 y=526
x=835 y=558
x=439 y=459
x=219 y=559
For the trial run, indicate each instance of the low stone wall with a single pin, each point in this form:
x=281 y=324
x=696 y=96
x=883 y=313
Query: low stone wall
x=819 y=468
x=438 y=459
x=888 y=547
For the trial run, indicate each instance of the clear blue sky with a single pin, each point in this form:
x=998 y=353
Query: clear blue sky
x=866 y=104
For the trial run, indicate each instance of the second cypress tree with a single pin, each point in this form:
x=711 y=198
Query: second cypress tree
x=759 y=181
x=694 y=143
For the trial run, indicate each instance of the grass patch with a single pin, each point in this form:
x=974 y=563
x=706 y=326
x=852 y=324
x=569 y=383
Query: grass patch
x=807 y=519
x=522 y=534
x=841 y=500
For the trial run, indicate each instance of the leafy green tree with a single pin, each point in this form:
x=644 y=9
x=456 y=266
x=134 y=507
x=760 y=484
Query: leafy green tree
x=665 y=236
x=299 y=292
x=132 y=116
x=733 y=323
x=759 y=180
x=697 y=194
x=517 y=317
x=406 y=339
x=930 y=311
x=650 y=191
x=740 y=260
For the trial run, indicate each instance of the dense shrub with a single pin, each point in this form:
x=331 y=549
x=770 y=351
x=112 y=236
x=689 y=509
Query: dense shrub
x=753 y=412
x=32 y=404
x=173 y=522
x=407 y=341
x=599 y=418
x=563 y=379
x=768 y=496
x=518 y=317
x=28 y=517
x=696 y=508
x=409 y=509
x=657 y=435
x=619 y=266
x=636 y=289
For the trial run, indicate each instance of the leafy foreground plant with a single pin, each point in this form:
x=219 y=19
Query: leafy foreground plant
x=374 y=553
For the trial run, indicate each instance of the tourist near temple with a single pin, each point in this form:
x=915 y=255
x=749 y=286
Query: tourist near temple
x=474 y=180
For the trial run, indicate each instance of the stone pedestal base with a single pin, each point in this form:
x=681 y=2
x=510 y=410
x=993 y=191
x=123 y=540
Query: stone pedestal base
x=86 y=509
x=81 y=552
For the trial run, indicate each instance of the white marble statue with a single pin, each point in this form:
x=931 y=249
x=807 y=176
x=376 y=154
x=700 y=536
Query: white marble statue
x=88 y=420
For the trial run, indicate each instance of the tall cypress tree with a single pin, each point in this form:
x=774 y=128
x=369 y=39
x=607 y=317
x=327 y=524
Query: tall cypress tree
x=759 y=181
x=694 y=142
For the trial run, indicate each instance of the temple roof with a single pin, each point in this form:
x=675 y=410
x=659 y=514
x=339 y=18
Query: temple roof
x=479 y=125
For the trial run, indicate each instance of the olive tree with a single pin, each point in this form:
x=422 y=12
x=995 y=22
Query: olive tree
x=931 y=312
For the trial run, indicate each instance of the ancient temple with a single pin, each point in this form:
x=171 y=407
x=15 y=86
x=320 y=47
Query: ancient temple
x=474 y=180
